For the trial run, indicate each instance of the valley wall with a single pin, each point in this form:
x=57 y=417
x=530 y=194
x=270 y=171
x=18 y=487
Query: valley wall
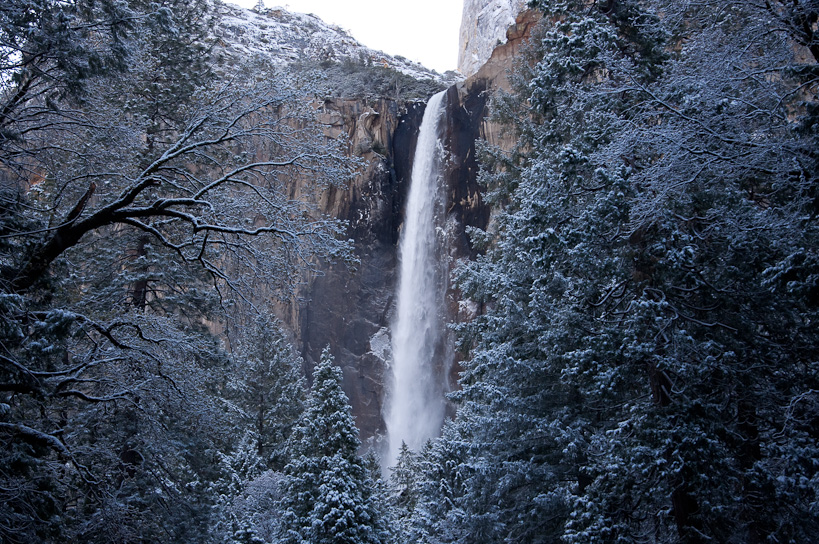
x=350 y=308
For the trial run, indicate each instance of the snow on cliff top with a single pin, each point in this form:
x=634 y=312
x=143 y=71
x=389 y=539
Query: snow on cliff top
x=286 y=37
x=483 y=26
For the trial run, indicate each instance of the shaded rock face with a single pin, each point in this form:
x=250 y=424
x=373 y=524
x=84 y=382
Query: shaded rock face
x=483 y=27
x=351 y=309
x=467 y=109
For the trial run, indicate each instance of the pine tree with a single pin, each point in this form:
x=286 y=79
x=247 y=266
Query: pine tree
x=244 y=496
x=637 y=370
x=403 y=488
x=267 y=384
x=328 y=496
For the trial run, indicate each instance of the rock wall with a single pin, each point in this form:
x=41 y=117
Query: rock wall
x=351 y=308
x=483 y=27
x=347 y=307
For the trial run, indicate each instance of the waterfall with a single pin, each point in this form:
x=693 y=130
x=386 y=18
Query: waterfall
x=415 y=404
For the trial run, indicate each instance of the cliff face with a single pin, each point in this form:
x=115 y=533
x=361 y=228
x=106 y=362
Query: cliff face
x=483 y=27
x=351 y=308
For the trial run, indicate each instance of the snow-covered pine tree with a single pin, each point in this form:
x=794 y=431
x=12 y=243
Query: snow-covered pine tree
x=244 y=497
x=721 y=173
x=328 y=496
x=266 y=387
x=266 y=382
x=440 y=469
x=403 y=488
x=522 y=420
x=646 y=364
x=229 y=524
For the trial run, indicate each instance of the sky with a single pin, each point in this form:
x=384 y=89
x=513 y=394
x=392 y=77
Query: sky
x=425 y=31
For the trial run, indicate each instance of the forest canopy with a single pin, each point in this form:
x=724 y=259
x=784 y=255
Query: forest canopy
x=144 y=193
x=646 y=370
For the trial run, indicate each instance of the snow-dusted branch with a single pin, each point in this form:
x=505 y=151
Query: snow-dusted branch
x=202 y=180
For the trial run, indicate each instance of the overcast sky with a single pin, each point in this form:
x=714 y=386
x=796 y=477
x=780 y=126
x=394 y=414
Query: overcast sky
x=421 y=30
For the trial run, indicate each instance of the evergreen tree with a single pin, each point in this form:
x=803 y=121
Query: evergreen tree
x=266 y=381
x=328 y=495
x=115 y=134
x=403 y=489
x=439 y=513
x=245 y=497
x=266 y=392
x=635 y=375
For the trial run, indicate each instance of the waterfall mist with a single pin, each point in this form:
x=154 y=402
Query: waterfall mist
x=415 y=404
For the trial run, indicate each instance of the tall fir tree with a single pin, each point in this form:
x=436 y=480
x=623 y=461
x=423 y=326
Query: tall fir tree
x=266 y=383
x=328 y=494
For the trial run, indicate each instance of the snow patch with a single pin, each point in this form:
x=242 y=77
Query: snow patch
x=285 y=37
x=381 y=346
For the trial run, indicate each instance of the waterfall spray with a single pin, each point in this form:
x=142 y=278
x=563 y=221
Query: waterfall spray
x=415 y=404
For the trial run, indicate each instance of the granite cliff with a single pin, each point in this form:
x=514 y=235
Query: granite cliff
x=483 y=28
x=350 y=308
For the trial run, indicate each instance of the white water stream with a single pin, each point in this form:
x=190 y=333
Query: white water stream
x=415 y=405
